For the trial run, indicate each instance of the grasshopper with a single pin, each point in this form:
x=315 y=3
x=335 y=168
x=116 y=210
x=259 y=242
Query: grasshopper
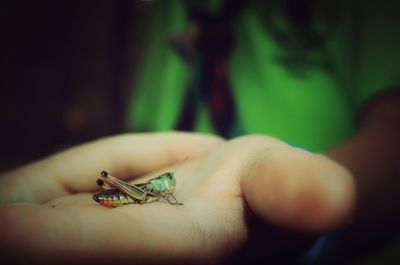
x=116 y=192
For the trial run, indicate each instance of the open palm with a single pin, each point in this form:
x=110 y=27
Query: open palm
x=48 y=214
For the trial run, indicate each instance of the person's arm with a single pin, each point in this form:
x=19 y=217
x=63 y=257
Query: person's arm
x=373 y=157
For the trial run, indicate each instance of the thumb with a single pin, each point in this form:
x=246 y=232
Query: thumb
x=298 y=190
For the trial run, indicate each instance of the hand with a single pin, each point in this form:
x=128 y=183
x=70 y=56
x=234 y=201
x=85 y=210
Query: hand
x=219 y=184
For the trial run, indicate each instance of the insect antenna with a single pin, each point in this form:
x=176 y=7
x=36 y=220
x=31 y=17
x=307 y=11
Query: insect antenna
x=178 y=165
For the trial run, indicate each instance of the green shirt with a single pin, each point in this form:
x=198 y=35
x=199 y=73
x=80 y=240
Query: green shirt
x=314 y=110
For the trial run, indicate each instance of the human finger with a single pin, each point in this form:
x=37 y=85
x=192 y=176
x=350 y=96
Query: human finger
x=296 y=189
x=126 y=155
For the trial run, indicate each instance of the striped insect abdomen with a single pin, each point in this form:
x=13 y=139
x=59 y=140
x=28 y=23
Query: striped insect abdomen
x=112 y=198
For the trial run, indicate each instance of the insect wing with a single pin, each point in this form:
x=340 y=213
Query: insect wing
x=133 y=191
x=142 y=185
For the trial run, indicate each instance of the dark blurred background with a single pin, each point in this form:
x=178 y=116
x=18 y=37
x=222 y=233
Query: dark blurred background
x=66 y=67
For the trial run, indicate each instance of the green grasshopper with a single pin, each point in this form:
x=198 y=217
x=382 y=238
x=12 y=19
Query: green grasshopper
x=116 y=192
